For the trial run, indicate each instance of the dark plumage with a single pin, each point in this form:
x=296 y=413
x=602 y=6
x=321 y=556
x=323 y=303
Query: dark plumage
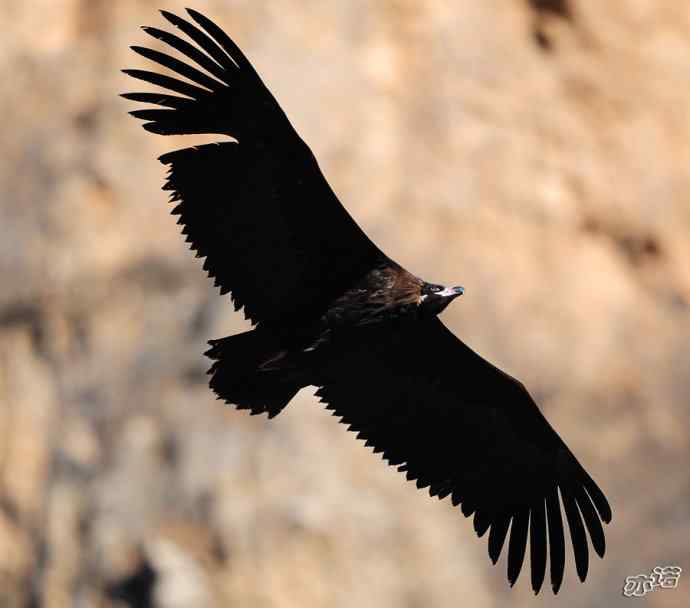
x=332 y=310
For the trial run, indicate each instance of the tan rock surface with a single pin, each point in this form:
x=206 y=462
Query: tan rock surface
x=537 y=152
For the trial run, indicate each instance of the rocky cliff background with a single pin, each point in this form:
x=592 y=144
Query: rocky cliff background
x=537 y=152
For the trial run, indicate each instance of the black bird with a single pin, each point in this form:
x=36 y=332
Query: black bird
x=331 y=310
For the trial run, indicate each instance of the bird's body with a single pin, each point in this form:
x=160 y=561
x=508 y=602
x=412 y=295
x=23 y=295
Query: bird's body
x=331 y=310
x=387 y=298
x=386 y=293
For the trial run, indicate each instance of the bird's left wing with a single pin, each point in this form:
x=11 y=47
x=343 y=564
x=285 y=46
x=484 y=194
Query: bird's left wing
x=258 y=208
x=460 y=426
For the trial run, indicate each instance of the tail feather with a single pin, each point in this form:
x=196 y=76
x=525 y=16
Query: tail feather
x=245 y=373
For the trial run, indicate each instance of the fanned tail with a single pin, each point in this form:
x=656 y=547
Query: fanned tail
x=247 y=373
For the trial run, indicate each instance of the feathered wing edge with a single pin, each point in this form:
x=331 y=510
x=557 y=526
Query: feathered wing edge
x=201 y=103
x=265 y=198
x=582 y=501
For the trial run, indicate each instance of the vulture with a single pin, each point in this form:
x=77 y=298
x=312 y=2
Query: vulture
x=329 y=309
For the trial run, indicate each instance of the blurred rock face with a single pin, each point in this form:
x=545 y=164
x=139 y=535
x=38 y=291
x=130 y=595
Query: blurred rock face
x=534 y=151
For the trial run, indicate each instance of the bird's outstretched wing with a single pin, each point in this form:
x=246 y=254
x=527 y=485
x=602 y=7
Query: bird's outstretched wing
x=460 y=426
x=258 y=209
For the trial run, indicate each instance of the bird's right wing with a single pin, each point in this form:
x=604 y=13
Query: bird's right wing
x=460 y=426
x=258 y=209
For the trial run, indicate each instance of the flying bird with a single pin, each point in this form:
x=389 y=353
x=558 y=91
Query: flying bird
x=330 y=309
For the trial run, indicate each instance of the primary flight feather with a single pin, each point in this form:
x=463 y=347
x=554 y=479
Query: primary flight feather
x=331 y=310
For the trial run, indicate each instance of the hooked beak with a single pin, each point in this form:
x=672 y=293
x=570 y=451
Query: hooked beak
x=451 y=292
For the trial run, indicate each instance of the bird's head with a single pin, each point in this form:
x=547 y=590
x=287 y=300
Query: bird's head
x=434 y=298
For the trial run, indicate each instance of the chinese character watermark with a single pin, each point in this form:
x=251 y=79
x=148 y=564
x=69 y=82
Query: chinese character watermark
x=662 y=577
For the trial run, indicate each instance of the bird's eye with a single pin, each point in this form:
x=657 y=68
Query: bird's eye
x=436 y=288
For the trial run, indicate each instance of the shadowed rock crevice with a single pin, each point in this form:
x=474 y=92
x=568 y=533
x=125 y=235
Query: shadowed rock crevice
x=543 y=12
x=557 y=8
x=637 y=249
x=136 y=588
